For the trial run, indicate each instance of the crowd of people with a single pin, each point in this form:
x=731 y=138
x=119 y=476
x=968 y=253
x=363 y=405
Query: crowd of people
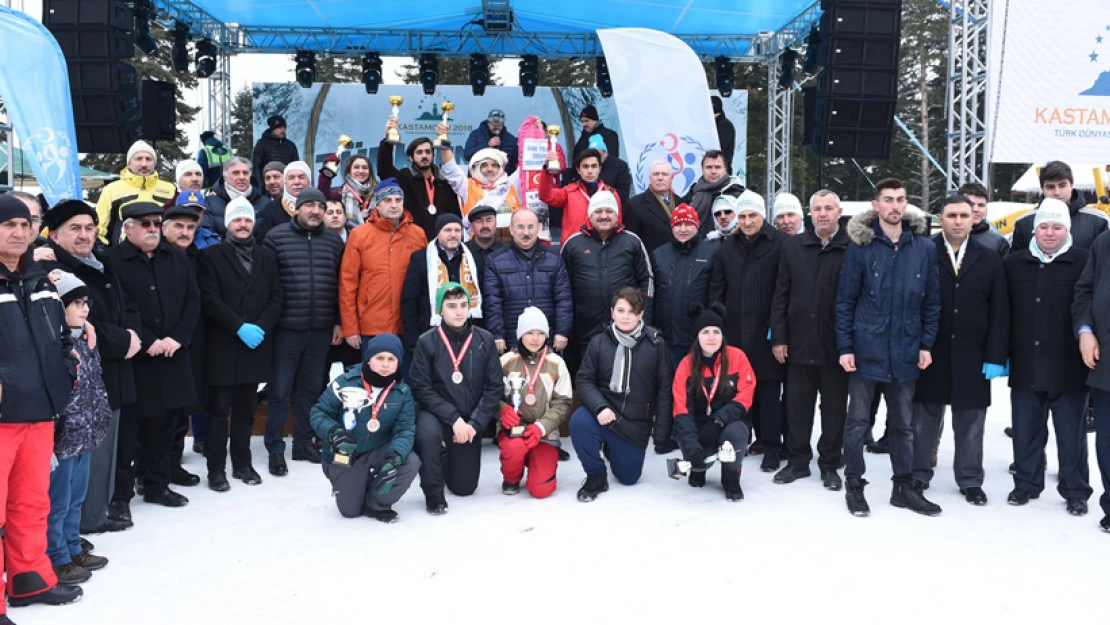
x=704 y=325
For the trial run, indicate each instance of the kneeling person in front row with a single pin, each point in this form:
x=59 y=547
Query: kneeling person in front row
x=456 y=378
x=625 y=385
x=367 y=417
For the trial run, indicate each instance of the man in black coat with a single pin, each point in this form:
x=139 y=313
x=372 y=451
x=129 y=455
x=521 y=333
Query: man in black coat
x=970 y=350
x=981 y=231
x=308 y=258
x=73 y=228
x=273 y=146
x=454 y=259
x=743 y=279
x=484 y=241
x=158 y=279
x=681 y=268
x=1047 y=372
x=242 y=300
x=591 y=127
x=726 y=132
x=803 y=335
x=427 y=194
x=457 y=382
x=1057 y=182
x=649 y=213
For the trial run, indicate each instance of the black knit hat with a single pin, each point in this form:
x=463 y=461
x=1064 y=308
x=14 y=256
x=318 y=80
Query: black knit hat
x=590 y=112
x=445 y=219
x=12 y=207
x=275 y=121
x=703 y=317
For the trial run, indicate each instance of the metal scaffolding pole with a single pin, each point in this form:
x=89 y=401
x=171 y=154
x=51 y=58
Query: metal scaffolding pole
x=968 y=36
x=219 y=98
x=780 y=114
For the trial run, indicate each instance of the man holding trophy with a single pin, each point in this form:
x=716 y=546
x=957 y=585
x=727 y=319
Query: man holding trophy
x=488 y=184
x=368 y=419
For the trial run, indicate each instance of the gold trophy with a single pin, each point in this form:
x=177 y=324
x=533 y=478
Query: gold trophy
x=395 y=136
x=552 y=132
x=443 y=142
x=345 y=143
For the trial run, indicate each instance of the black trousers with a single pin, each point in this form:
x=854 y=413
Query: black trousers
x=237 y=405
x=144 y=440
x=767 y=414
x=804 y=382
x=443 y=461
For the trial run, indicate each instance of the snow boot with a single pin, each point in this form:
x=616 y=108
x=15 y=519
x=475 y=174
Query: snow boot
x=771 y=462
x=697 y=479
x=790 y=474
x=248 y=475
x=385 y=516
x=72 y=574
x=1105 y=523
x=278 y=468
x=1077 y=507
x=217 y=481
x=510 y=488
x=830 y=479
x=593 y=486
x=857 y=504
x=731 y=481
x=974 y=495
x=90 y=562
x=910 y=495
x=58 y=595
x=180 y=477
x=435 y=503
x=1020 y=497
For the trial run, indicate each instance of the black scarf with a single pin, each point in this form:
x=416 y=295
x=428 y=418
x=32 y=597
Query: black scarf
x=591 y=187
x=377 y=380
x=244 y=250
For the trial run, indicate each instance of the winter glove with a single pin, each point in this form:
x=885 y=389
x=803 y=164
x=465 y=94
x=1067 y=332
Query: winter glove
x=665 y=447
x=992 y=371
x=342 y=440
x=510 y=418
x=53 y=462
x=386 y=473
x=697 y=461
x=251 y=335
x=532 y=436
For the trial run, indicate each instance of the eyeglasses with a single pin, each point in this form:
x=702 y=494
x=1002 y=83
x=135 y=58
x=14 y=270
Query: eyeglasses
x=82 y=303
x=147 y=224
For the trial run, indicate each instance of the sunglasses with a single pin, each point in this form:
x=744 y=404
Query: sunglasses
x=146 y=224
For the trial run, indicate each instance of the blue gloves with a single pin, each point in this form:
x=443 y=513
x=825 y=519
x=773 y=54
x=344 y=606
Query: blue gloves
x=992 y=371
x=251 y=335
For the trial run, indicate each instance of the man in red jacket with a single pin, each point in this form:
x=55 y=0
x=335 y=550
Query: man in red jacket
x=574 y=198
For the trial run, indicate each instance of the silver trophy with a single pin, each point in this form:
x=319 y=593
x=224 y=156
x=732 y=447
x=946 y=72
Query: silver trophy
x=514 y=383
x=353 y=399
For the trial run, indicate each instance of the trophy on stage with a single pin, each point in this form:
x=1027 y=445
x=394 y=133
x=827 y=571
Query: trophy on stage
x=345 y=143
x=515 y=382
x=552 y=132
x=394 y=135
x=443 y=142
x=353 y=399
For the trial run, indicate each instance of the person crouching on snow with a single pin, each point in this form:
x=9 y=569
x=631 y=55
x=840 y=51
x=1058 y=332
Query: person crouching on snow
x=713 y=389
x=535 y=403
x=368 y=419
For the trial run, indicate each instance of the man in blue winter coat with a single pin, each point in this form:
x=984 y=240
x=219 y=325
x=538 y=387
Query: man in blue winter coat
x=492 y=134
x=887 y=312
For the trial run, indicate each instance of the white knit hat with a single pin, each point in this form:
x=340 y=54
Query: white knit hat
x=751 y=201
x=297 y=166
x=532 y=319
x=788 y=203
x=141 y=146
x=185 y=166
x=239 y=207
x=1052 y=210
x=603 y=199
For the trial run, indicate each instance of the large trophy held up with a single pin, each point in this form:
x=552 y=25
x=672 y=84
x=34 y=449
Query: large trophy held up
x=345 y=143
x=552 y=143
x=443 y=142
x=395 y=136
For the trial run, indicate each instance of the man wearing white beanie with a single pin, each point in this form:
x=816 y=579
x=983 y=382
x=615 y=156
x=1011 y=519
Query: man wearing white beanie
x=789 y=217
x=190 y=177
x=297 y=178
x=138 y=182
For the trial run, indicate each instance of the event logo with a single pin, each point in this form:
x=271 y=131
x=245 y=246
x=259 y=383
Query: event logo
x=1102 y=84
x=682 y=153
x=54 y=151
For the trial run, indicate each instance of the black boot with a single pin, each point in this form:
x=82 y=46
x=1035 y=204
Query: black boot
x=180 y=477
x=120 y=511
x=974 y=495
x=166 y=497
x=881 y=446
x=385 y=516
x=110 y=525
x=593 y=486
x=1077 y=507
x=1020 y=497
x=830 y=479
x=790 y=474
x=696 y=479
x=1105 y=523
x=4 y=620
x=564 y=455
x=857 y=504
x=278 y=466
x=435 y=503
x=308 y=453
x=248 y=475
x=910 y=495
x=217 y=481
x=87 y=546
x=771 y=461
x=731 y=482
x=58 y=595
x=510 y=488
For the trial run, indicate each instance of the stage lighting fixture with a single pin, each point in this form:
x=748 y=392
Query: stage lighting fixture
x=143 y=39
x=306 y=68
x=604 y=83
x=372 y=71
x=812 y=63
x=479 y=73
x=789 y=68
x=206 y=58
x=722 y=66
x=529 y=74
x=179 y=53
x=429 y=72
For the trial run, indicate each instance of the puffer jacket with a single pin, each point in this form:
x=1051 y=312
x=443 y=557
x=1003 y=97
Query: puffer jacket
x=888 y=298
x=129 y=188
x=479 y=139
x=216 y=205
x=552 y=390
x=84 y=425
x=397 y=417
x=644 y=411
x=732 y=401
x=308 y=263
x=681 y=278
x=573 y=201
x=1086 y=224
x=372 y=277
x=514 y=282
x=270 y=148
x=474 y=400
x=984 y=235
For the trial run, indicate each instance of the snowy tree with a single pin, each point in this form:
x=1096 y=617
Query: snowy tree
x=242 y=123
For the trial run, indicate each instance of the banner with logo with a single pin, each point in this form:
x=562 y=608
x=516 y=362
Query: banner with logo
x=34 y=84
x=1049 y=95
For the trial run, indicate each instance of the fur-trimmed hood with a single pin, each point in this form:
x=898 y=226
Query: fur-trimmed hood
x=861 y=228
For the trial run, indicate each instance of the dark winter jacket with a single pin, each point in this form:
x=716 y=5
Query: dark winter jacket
x=308 y=263
x=803 y=313
x=514 y=282
x=474 y=400
x=597 y=269
x=481 y=255
x=974 y=328
x=270 y=148
x=273 y=215
x=984 y=235
x=416 y=307
x=111 y=315
x=216 y=205
x=888 y=298
x=1044 y=350
x=84 y=426
x=479 y=138
x=1091 y=307
x=397 y=418
x=37 y=370
x=231 y=297
x=197 y=347
x=681 y=278
x=732 y=402
x=726 y=135
x=211 y=158
x=164 y=290
x=416 y=191
x=1086 y=224
x=743 y=279
x=645 y=215
x=642 y=412
x=612 y=141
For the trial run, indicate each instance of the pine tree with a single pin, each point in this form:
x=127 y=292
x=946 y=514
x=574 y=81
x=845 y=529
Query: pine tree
x=338 y=69
x=566 y=73
x=242 y=123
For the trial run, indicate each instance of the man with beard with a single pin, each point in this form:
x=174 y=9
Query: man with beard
x=236 y=182
x=789 y=217
x=981 y=231
x=483 y=237
x=704 y=192
x=427 y=194
x=492 y=134
x=649 y=213
x=279 y=211
x=274 y=146
x=273 y=182
x=138 y=181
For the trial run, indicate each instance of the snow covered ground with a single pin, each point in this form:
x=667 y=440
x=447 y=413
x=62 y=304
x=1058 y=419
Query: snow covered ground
x=656 y=552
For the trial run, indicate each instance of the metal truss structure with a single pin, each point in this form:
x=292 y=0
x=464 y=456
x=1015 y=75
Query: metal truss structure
x=968 y=42
x=780 y=118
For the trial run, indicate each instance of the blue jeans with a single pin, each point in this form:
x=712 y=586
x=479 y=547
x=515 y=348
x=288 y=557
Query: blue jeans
x=899 y=419
x=68 y=485
x=1069 y=418
x=1101 y=401
x=626 y=460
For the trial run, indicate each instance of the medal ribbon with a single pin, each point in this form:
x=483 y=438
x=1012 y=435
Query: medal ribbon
x=455 y=361
x=532 y=377
x=377 y=407
x=431 y=191
x=712 y=392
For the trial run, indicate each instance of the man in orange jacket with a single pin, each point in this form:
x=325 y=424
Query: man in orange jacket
x=374 y=266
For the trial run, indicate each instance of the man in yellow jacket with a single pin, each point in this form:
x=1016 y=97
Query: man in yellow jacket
x=138 y=181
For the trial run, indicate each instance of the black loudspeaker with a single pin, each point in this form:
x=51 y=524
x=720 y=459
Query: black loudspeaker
x=96 y=37
x=857 y=94
x=159 y=112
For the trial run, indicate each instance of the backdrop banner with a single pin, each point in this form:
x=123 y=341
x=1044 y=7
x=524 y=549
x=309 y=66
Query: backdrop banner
x=1049 y=87
x=34 y=84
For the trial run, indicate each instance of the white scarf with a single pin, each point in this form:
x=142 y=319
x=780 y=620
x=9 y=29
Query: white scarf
x=234 y=194
x=1036 y=251
x=437 y=277
x=956 y=256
